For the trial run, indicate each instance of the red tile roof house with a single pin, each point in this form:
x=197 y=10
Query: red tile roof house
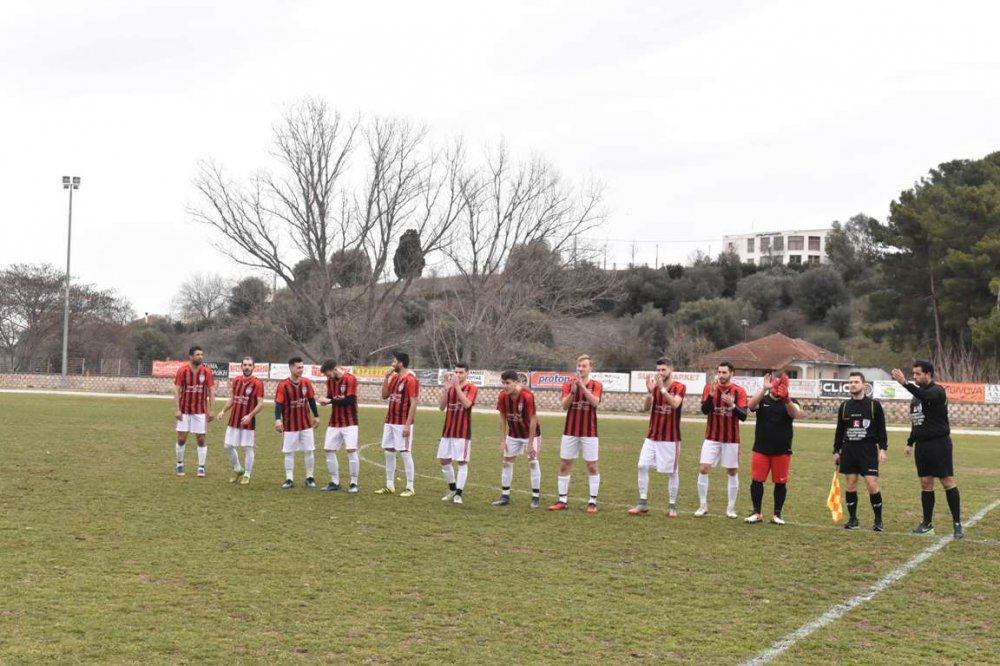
x=802 y=360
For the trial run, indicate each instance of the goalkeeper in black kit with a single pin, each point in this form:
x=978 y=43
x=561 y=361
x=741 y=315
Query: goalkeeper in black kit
x=860 y=444
x=930 y=444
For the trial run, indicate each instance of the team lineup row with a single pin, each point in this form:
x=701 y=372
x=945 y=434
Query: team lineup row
x=860 y=440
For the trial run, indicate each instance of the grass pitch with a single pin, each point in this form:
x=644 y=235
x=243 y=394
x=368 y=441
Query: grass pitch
x=107 y=557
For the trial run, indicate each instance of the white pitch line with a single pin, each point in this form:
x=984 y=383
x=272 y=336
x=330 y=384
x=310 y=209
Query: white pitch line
x=841 y=609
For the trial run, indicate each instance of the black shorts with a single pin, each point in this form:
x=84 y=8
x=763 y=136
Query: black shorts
x=933 y=457
x=861 y=459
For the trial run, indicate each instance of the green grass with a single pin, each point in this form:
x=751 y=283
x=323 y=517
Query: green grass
x=107 y=557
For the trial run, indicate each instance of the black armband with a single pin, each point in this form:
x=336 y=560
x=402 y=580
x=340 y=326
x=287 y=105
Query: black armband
x=279 y=410
x=313 y=407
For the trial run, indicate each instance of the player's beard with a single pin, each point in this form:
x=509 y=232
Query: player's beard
x=196 y=362
x=247 y=373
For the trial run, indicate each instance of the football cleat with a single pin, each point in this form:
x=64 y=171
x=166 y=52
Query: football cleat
x=288 y=484
x=180 y=469
x=409 y=492
x=731 y=513
x=878 y=527
x=503 y=501
x=330 y=486
x=958 y=531
x=449 y=496
x=310 y=482
x=201 y=472
x=458 y=499
x=353 y=489
x=558 y=506
x=924 y=528
x=385 y=491
x=852 y=524
x=777 y=520
x=754 y=518
x=245 y=480
x=535 y=502
x=639 y=509
x=672 y=511
x=591 y=508
x=702 y=510
x=237 y=475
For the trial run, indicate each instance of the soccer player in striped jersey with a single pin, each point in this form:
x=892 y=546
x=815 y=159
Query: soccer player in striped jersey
x=725 y=405
x=295 y=416
x=401 y=389
x=519 y=433
x=581 y=397
x=456 y=402
x=342 y=394
x=194 y=406
x=246 y=399
x=662 y=448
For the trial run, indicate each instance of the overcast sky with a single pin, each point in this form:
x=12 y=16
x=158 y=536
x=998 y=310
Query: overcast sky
x=702 y=118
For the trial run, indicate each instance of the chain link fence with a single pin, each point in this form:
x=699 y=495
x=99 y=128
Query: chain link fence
x=102 y=367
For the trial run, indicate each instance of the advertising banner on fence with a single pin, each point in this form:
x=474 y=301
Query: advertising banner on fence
x=885 y=390
x=612 y=381
x=803 y=388
x=260 y=370
x=750 y=384
x=838 y=388
x=428 y=376
x=992 y=394
x=280 y=371
x=694 y=382
x=491 y=378
x=167 y=368
x=549 y=379
x=370 y=374
x=219 y=370
x=964 y=392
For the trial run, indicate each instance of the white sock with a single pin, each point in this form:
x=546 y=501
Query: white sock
x=353 y=464
x=734 y=491
x=448 y=472
x=506 y=478
x=233 y=456
x=333 y=466
x=563 y=482
x=463 y=474
x=179 y=450
x=643 y=482
x=536 y=477
x=408 y=467
x=673 y=482
x=310 y=457
x=595 y=486
x=202 y=455
x=703 y=489
x=289 y=466
x=390 y=469
x=248 y=453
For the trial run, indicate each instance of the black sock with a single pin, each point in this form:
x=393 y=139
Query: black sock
x=452 y=487
x=780 y=493
x=458 y=491
x=927 y=501
x=877 y=505
x=953 y=504
x=757 y=495
x=852 y=504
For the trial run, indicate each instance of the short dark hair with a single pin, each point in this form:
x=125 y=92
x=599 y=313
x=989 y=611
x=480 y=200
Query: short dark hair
x=194 y=348
x=463 y=365
x=402 y=357
x=293 y=360
x=247 y=358
x=328 y=364
x=510 y=375
x=925 y=366
x=663 y=360
x=857 y=373
x=727 y=364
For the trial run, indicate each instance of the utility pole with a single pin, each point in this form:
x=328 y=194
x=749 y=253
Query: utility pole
x=69 y=183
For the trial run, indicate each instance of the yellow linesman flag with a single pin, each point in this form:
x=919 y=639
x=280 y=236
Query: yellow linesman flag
x=833 y=501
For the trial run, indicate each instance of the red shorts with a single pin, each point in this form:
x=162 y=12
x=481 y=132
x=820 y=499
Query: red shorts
x=776 y=465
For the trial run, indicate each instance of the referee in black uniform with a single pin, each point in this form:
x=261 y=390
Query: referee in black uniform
x=930 y=443
x=859 y=445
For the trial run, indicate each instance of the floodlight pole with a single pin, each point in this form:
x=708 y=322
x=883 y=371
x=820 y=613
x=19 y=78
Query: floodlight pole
x=69 y=183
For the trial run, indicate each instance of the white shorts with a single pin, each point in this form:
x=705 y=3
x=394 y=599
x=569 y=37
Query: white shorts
x=239 y=437
x=515 y=446
x=192 y=423
x=571 y=447
x=392 y=438
x=716 y=453
x=298 y=440
x=455 y=449
x=337 y=437
x=661 y=455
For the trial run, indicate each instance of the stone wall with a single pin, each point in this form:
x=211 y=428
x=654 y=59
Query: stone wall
x=821 y=409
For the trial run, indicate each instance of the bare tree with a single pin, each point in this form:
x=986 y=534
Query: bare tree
x=203 y=296
x=308 y=212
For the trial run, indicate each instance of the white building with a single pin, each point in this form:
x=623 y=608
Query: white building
x=801 y=246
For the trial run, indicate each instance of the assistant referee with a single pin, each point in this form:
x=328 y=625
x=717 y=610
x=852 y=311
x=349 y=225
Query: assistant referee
x=930 y=443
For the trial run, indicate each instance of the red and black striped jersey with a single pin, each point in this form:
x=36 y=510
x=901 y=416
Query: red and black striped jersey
x=246 y=392
x=458 y=417
x=664 y=420
x=402 y=391
x=581 y=417
x=517 y=410
x=343 y=415
x=194 y=384
x=295 y=397
x=723 y=424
